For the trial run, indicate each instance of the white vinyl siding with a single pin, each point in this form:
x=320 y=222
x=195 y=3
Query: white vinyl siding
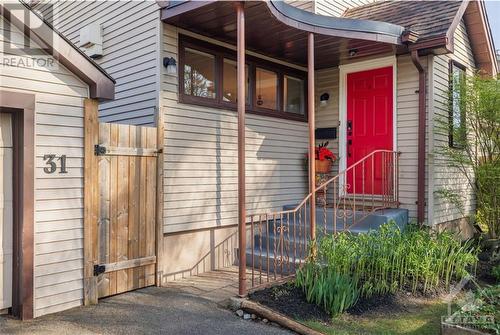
x=200 y=177
x=58 y=213
x=130 y=51
x=327 y=81
x=407 y=133
x=444 y=176
x=337 y=7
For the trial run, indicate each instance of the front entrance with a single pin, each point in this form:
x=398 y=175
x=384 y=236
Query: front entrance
x=6 y=211
x=369 y=127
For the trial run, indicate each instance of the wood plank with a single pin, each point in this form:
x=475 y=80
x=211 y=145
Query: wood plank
x=90 y=201
x=159 y=195
x=133 y=216
x=122 y=176
x=104 y=223
x=131 y=151
x=150 y=207
x=129 y=264
x=142 y=207
x=113 y=209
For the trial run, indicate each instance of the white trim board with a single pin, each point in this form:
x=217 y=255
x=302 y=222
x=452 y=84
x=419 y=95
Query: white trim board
x=357 y=67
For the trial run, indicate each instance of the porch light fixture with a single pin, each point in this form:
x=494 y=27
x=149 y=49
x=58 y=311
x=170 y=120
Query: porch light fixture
x=171 y=64
x=323 y=99
x=353 y=52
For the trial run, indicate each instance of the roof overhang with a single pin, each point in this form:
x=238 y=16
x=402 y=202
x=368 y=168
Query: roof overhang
x=480 y=37
x=280 y=30
x=476 y=21
x=101 y=84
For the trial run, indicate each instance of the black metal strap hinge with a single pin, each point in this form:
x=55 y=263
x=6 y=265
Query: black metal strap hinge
x=99 y=150
x=99 y=269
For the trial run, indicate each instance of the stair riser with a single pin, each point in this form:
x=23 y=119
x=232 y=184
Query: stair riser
x=288 y=267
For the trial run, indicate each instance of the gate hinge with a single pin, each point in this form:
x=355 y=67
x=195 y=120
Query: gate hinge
x=99 y=269
x=99 y=150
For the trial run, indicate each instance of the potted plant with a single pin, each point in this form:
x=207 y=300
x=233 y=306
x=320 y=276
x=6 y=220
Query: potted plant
x=324 y=158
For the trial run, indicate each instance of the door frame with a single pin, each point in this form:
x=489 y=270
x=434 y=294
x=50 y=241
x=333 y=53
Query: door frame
x=344 y=70
x=22 y=108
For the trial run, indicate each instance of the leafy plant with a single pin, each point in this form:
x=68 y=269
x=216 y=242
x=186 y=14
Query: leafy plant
x=324 y=286
x=496 y=272
x=383 y=261
x=322 y=152
x=475 y=151
x=483 y=311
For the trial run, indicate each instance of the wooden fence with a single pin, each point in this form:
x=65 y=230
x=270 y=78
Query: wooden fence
x=122 y=170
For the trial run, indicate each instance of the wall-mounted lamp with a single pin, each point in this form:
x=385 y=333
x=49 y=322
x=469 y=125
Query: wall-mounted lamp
x=171 y=64
x=353 y=52
x=323 y=99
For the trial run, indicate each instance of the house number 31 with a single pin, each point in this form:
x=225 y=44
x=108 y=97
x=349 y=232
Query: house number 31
x=51 y=162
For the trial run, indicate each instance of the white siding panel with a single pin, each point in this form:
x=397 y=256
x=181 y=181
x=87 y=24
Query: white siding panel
x=201 y=160
x=58 y=198
x=444 y=176
x=130 y=51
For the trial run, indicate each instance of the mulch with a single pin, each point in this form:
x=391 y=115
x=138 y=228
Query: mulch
x=290 y=301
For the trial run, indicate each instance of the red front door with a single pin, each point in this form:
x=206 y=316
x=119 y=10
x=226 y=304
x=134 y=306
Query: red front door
x=369 y=127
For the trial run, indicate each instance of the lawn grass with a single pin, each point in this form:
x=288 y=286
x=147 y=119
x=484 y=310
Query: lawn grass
x=422 y=318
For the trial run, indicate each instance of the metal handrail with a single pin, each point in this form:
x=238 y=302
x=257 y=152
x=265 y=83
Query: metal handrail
x=279 y=239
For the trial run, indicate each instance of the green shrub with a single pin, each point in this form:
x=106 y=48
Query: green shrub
x=383 y=261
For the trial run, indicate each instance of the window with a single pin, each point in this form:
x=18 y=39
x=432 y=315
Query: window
x=457 y=131
x=229 y=85
x=199 y=74
x=266 y=93
x=209 y=78
x=294 y=95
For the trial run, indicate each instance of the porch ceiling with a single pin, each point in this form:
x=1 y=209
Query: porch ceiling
x=280 y=31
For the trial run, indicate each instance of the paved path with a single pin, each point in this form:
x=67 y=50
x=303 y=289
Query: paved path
x=147 y=311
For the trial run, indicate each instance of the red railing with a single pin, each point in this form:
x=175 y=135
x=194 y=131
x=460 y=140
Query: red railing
x=279 y=240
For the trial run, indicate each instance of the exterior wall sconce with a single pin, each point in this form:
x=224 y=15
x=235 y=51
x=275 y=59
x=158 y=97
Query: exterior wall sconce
x=353 y=52
x=323 y=99
x=171 y=64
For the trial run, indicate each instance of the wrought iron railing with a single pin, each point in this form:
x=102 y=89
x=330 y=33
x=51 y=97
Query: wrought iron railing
x=279 y=240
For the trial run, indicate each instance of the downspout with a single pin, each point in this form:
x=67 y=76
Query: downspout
x=421 y=137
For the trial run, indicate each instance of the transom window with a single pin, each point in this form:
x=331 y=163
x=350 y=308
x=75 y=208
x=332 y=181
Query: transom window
x=457 y=131
x=208 y=76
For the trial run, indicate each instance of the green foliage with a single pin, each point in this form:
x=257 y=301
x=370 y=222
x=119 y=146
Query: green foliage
x=486 y=302
x=325 y=287
x=476 y=153
x=496 y=272
x=383 y=261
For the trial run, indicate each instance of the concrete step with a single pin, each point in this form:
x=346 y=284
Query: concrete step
x=271 y=238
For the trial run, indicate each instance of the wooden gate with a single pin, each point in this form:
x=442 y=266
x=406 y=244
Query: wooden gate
x=120 y=240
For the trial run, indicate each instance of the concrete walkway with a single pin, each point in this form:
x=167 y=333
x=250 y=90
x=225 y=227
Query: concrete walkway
x=190 y=306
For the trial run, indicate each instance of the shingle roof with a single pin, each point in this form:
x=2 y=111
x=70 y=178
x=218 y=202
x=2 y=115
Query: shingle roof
x=427 y=18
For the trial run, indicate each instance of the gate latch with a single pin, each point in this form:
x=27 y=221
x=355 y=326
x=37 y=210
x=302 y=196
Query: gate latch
x=99 y=150
x=99 y=269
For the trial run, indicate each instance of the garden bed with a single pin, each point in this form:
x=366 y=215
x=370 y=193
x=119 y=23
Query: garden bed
x=389 y=281
x=393 y=313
